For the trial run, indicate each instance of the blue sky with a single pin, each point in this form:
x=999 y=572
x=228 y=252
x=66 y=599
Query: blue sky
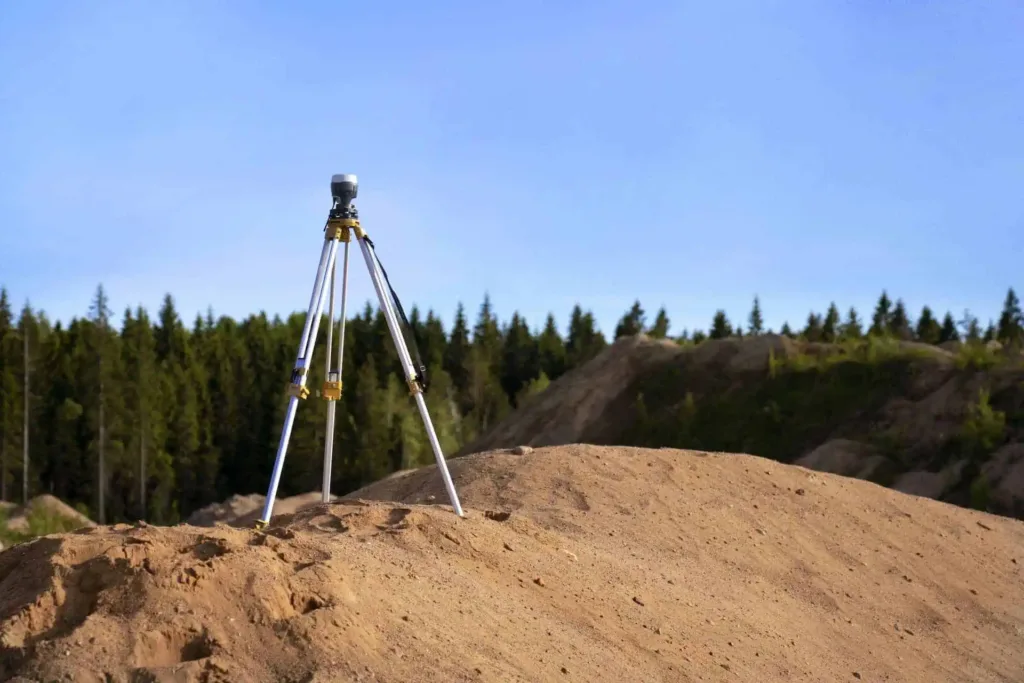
x=689 y=154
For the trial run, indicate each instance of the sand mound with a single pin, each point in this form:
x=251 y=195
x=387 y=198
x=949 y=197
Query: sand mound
x=569 y=410
x=51 y=506
x=573 y=564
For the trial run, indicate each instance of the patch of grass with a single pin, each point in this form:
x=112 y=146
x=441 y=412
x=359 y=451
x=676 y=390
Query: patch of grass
x=40 y=523
x=44 y=522
x=8 y=537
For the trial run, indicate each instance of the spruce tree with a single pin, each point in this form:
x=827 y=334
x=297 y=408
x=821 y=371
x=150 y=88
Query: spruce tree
x=551 y=349
x=830 y=326
x=990 y=332
x=27 y=330
x=99 y=314
x=659 y=329
x=1011 y=321
x=584 y=340
x=928 y=329
x=8 y=392
x=969 y=327
x=813 y=330
x=456 y=356
x=433 y=343
x=852 y=328
x=720 y=326
x=521 y=360
x=899 y=322
x=786 y=330
x=880 y=320
x=632 y=323
x=755 y=322
x=948 y=332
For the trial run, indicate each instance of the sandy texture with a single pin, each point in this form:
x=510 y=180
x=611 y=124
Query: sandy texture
x=241 y=510
x=575 y=563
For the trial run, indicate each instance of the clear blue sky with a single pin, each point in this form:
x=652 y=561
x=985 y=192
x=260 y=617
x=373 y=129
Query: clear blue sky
x=689 y=154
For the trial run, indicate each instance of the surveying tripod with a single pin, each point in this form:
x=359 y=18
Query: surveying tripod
x=342 y=223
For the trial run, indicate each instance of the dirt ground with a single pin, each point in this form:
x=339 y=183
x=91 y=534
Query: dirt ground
x=573 y=563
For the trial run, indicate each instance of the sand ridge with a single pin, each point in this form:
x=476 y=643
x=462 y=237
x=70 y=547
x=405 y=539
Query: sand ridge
x=573 y=563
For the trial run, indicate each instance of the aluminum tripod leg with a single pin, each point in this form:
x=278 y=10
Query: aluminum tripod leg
x=301 y=369
x=410 y=372
x=332 y=403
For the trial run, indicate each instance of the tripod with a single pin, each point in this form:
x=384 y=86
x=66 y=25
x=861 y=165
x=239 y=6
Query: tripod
x=342 y=223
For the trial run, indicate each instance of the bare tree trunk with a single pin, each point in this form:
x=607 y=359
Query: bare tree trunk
x=24 y=457
x=142 y=471
x=102 y=482
x=3 y=459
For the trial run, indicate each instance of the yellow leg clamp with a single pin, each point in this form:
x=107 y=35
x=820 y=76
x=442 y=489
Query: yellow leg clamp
x=339 y=229
x=414 y=387
x=259 y=525
x=331 y=391
x=298 y=391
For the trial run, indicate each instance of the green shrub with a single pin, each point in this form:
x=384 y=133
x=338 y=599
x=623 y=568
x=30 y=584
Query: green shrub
x=983 y=428
x=975 y=356
x=981 y=493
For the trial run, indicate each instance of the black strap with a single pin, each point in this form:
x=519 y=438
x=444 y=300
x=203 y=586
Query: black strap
x=408 y=333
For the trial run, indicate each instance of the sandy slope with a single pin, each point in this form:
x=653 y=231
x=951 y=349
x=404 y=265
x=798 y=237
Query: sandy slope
x=603 y=564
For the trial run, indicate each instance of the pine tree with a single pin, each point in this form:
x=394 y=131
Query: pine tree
x=632 y=323
x=659 y=329
x=830 y=327
x=755 y=322
x=720 y=326
x=990 y=332
x=881 y=319
x=551 y=349
x=786 y=331
x=928 y=329
x=852 y=328
x=948 y=332
x=1011 y=321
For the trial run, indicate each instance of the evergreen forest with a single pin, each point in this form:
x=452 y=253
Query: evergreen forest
x=159 y=417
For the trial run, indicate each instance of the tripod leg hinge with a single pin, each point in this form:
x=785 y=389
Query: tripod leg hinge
x=341 y=229
x=298 y=391
x=259 y=525
x=331 y=391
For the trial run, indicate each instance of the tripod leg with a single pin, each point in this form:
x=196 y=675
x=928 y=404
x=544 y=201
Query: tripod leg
x=325 y=487
x=332 y=404
x=299 y=373
x=410 y=371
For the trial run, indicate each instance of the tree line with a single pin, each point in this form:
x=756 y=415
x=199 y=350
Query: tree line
x=155 y=418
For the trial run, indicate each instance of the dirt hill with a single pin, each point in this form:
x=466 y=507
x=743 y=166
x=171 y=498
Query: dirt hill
x=942 y=423
x=43 y=514
x=578 y=563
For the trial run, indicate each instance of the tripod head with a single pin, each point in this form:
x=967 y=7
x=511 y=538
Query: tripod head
x=344 y=188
